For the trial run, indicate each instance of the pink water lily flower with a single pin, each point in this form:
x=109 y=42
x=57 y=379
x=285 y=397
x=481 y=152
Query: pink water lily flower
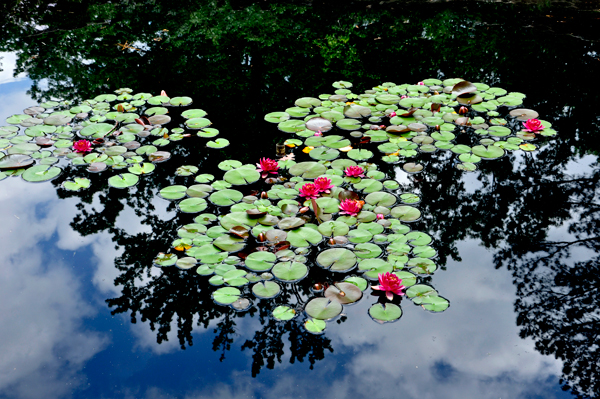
x=392 y=114
x=350 y=207
x=318 y=133
x=380 y=216
x=323 y=184
x=354 y=171
x=421 y=84
x=267 y=166
x=309 y=191
x=82 y=146
x=390 y=283
x=533 y=125
x=402 y=97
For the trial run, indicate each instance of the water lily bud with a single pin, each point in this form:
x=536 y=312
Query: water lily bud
x=463 y=110
x=382 y=126
x=264 y=195
x=332 y=241
x=304 y=209
x=392 y=114
x=436 y=92
x=318 y=287
x=421 y=84
x=437 y=127
x=342 y=293
x=262 y=237
x=380 y=216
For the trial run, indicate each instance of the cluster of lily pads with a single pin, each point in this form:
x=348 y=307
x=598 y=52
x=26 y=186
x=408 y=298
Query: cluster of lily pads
x=473 y=120
x=122 y=132
x=255 y=234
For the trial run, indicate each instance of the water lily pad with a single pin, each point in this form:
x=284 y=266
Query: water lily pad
x=360 y=282
x=226 y=295
x=406 y=213
x=260 y=261
x=163 y=259
x=266 y=289
x=123 y=180
x=180 y=101
x=290 y=271
x=308 y=170
x=337 y=259
x=333 y=228
x=304 y=237
x=434 y=303
x=218 y=143
x=229 y=244
x=78 y=183
x=39 y=173
x=191 y=205
x=323 y=308
x=360 y=154
x=367 y=250
x=380 y=198
x=489 y=152
x=385 y=313
x=284 y=313
x=315 y=326
x=420 y=291
x=15 y=161
x=343 y=293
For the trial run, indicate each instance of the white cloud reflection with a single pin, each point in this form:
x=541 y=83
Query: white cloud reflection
x=43 y=343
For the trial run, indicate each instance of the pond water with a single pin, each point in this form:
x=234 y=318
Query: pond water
x=85 y=314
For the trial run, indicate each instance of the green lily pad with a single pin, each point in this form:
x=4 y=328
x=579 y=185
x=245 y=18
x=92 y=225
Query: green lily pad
x=489 y=152
x=308 y=170
x=266 y=289
x=360 y=154
x=39 y=173
x=337 y=259
x=406 y=213
x=226 y=295
x=315 y=326
x=191 y=205
x=385 y=314
x=79 y=183
x=123 y=180
x=343 y=293
x=323 y=308
x=420 y=291
x=218 y=143
x=333 y=228
x=435 y=303
x=367 y=250
x=229 y=244
x=283 y=313
x=290 y=271
x=260 y=261
x=241 y=176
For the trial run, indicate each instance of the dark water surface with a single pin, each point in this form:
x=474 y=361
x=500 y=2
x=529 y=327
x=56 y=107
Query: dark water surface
x=82 y=308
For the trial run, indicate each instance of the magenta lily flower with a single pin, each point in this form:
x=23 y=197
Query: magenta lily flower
x=391 y=284
x=323 y=184
x=421 y=84
x=350 y=207
x=380 y=216
x=392 y=114
x=533 y=125
x=82 y=146
x=318 y=133
x=309 y=191
x=354 y=171
x=267 y=166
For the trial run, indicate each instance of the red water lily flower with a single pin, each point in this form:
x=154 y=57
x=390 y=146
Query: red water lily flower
x=351 y=207
x=323 y=184
x=309 y=191
x=267 y=166
x=390 y=283
x=82 y=146
x=533 y=125
x=354 y=171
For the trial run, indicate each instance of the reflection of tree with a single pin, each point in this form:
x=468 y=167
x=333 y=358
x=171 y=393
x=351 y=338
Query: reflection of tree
x=241 y=62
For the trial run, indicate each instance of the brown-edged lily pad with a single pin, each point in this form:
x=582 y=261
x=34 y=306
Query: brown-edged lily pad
x=15 y=161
